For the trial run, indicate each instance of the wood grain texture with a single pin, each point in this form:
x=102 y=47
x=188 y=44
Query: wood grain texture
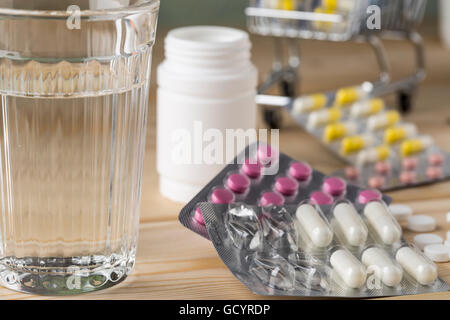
x=175 y=263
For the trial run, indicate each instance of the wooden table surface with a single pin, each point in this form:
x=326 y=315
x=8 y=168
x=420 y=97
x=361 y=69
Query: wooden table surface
x=175 y=263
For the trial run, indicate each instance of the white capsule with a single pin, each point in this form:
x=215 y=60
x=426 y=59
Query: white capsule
x=416 y=265
x=323 y=117
x=388 y=272
x=314 y=225
x=351 y=271
x=383 y=120
x=416 y=145
x=351 y=224
x=367 y=156
x=366 y=108
x=346 y=5
x=372 y=155
x=352 y=144
x=398 y=133
x=382 y=222
x=309 y=103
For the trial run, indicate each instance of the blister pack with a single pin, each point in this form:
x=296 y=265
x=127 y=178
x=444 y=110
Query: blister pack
x=383 y=151
x=262 y=176
x=339 y=250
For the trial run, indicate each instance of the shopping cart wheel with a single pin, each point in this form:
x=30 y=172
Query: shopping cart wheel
x=272 y=116
x=287 y=88
x=405 y=101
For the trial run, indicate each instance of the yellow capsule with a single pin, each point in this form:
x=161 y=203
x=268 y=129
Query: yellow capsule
x=396 y=134
x=322 y=25
x=383 y=152
x=334 y=114
x=392 y=117
x=413 y=146
x=288 y=5
x=319 y=101
x=355 y=143
x=346 y=96
x=330 y=5
x=376 y=105
x=338 y=130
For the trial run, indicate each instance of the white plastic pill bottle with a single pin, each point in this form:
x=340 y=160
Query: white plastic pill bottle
x=206 y=86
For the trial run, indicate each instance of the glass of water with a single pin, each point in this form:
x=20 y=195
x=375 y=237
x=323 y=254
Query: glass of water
x=74 y=81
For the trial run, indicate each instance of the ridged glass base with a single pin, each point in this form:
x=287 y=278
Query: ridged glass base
x=64 y=276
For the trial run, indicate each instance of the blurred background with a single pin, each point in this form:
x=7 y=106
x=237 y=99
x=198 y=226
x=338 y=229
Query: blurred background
x=324 y=66
x=341 y=63
x=176 y=13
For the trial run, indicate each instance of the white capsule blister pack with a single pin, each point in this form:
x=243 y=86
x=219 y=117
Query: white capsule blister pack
x=384 y=152
x=339 y=250
x=262 y=176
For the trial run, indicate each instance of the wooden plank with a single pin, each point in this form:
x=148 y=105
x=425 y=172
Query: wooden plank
x=175 y=263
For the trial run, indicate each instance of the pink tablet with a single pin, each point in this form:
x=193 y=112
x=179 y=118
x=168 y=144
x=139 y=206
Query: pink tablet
x=238 y=183
x=286 y=186
x=252 y=169
x=271 y=198
x=300 y=171
x=222 y=196
x=334 y=186
x=321 y=198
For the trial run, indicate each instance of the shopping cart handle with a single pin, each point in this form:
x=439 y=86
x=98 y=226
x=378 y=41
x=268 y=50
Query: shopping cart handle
x=294 y=15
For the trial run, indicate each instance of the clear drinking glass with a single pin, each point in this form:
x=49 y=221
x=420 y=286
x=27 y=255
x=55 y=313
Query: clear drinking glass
x=74 y=80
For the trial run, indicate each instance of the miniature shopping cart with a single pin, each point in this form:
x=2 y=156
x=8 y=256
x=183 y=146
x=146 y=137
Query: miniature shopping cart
x=336 y=20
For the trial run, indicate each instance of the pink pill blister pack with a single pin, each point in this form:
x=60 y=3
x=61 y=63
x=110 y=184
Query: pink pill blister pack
x=262 y=176
x=431 y=166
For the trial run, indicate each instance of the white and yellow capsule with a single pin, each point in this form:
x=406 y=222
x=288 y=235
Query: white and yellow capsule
x=339 y=5
x=414 y=146
x=323 y=25
x=383 y=120
x=372 y=155
x=323 y=117
x=309 y=103
x=367 y=108
x=399 y=133
x=346 y=96
x=330 y=5
x=286 y=4
x=353 y=144
x=337 y=131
